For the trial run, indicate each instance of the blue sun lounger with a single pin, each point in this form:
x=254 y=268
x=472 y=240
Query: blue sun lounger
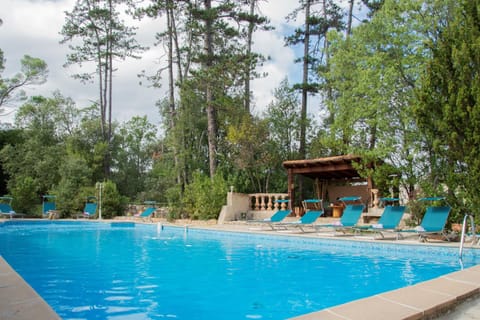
x=306 y=220
x=312 y=204
x=348 y=221
x=433 y=222
x=277 y=217
x=90 y=208
x=388 y=222
x=148 y=212
x=6 y=207
x=353 y=199
x=48 y=206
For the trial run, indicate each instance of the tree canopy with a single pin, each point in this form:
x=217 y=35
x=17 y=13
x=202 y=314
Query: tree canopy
x=399 y=87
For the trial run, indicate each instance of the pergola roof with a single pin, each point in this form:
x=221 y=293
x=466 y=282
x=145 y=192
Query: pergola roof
x=338 y=167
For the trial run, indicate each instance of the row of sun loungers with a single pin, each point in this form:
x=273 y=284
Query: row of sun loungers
x=49 y=209
x=433 y=222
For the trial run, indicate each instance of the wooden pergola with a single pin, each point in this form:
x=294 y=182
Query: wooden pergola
x=322 y=170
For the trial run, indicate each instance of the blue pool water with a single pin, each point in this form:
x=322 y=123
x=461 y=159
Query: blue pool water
x=89 y=270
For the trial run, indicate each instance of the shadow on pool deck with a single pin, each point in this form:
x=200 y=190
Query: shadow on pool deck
x=432 y=299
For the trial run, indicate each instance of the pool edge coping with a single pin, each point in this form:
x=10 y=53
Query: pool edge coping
x=18 y=300
x=425 y=300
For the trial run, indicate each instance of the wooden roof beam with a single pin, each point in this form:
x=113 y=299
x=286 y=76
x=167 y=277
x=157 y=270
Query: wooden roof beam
x=329 y=168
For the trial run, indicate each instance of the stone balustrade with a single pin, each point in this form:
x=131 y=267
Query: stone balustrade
x=267 y=201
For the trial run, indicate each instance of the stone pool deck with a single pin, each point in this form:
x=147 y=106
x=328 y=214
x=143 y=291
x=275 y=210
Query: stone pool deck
x=453 y=296
x=427 y=300
x=18 y=301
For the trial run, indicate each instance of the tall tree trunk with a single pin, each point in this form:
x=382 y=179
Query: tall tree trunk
x=350 y=17
x=100 y=74
x=109 y=70
x=211 y=114
x=248 y=68
x=171 y=83
x=104 y=107
x=102 y=102
x=373 y=137
x=303 y=112
x=326 y=47
x=306 y=53
x=174 y=35
x=183 y=71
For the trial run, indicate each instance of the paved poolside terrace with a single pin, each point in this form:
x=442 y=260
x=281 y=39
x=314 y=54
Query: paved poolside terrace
x=452 y=296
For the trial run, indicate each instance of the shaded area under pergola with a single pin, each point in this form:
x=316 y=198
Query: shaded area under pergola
x=333 y=177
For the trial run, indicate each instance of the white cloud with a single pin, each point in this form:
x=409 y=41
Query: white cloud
x=32 y=27
x=270 y=44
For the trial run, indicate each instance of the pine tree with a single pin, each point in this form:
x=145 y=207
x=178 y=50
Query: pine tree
x=449 y=109
x=103 y=38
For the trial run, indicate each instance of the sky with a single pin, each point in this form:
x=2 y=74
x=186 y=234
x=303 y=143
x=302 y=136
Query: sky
x=32 y=27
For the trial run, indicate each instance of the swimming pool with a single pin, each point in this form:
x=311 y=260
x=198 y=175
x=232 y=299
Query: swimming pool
x=89 y=270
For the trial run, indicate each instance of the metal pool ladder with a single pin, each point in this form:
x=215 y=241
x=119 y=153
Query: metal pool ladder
x=466 y=219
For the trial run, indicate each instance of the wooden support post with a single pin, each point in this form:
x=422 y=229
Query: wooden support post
x=291 y=188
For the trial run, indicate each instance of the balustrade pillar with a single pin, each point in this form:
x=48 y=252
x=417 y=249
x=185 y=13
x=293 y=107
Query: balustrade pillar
x=267 y=201
x=375 y=198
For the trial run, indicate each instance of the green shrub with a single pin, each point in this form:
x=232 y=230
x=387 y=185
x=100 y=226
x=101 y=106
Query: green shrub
x=25 y=197
x=75 y=174
x=113 y=204
x=175 y=203
x=204 y=197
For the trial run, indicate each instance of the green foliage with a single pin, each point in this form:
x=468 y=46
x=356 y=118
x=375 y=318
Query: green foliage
x=373 y=6
x=373 y=78
x=401 y=91
x=87 y=142
x=417 y=210
x=284 y=121
x=133 y=157
x=219 y=66
x=204 y=197
x=188 y=135
x=248 y=144
x=174 y=196
x=113 y=203
x=33 y=72
x=322 y=16
x=7 y=137
x=97 y=35
x=159 y=180
x=25 y=196
x=102 y=33
x=448 y=112
x=39 y=154
x=75 y=176
x=257 y=147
